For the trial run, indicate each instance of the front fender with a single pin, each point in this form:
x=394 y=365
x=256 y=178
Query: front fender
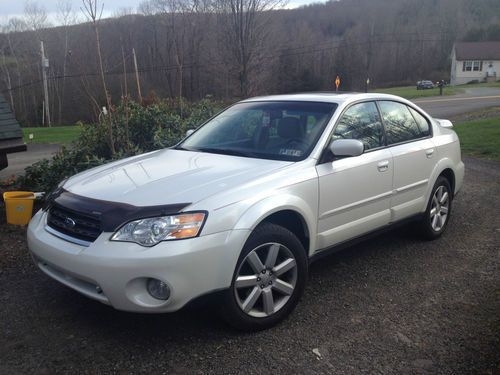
x=256 y=213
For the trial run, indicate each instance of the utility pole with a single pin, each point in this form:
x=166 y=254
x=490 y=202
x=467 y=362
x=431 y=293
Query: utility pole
x=45 y=67
x=137 y=76
x=369 y=54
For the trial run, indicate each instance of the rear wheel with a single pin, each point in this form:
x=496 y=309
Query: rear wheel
x=268 y=281
x=436 y=217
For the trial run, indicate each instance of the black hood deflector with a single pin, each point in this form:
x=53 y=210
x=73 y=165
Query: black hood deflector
x=112 y=215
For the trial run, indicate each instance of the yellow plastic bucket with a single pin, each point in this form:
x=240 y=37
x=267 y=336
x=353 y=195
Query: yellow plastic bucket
x=18 y=206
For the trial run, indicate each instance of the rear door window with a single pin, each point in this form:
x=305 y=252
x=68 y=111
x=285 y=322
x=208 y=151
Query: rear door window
x=400 y=126
x=422 y=122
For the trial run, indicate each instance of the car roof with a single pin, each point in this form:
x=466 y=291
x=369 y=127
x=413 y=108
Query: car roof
x=325 y=97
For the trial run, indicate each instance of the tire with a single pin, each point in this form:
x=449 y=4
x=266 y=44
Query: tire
x=433 y=224
x=263 y=294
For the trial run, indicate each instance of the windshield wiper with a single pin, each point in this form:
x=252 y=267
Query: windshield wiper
x=183 y=149
x=227 y=151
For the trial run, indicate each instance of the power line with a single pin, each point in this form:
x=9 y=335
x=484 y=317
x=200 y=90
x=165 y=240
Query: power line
x=164 y=68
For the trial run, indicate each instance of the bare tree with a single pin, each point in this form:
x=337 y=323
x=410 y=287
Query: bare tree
x=36 y=19
x=66 y=17
x=5 y=69
x=146 y=7
x=14 y=25
x=65 y=13
x=175 y=13
x=242 y=25
x=93 y=13
x=36 y=15
x=125 y=98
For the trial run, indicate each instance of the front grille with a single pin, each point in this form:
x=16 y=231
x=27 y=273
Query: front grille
x=74 y=224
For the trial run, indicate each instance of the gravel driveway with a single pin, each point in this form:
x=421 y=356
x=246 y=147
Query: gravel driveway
x=394 y=304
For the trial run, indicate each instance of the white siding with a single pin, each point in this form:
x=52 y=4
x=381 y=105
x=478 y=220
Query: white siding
x=460 y=77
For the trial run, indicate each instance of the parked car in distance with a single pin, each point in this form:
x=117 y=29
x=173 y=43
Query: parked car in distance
x=424 y=85
x=244 y=203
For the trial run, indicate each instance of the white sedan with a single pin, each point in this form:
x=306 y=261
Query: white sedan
x=244 y=203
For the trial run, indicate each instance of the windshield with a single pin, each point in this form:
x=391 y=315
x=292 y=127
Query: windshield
x=269 y=130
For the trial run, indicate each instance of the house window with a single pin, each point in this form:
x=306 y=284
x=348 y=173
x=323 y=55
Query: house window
x=472 y=66
x=477 y=66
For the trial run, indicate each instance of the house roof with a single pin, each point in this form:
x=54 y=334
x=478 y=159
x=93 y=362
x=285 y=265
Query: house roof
x=477 y=51
x=9 y=127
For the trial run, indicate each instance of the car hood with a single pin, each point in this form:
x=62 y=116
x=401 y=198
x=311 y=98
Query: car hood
x=169 y=176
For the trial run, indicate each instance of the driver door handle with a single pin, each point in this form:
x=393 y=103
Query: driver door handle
x=383 y=166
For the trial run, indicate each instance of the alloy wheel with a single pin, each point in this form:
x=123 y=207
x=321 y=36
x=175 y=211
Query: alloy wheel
x=439 y=208
x=265 y=280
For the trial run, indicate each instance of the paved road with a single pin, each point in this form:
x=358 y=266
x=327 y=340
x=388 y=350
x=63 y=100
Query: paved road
x=20 y=160
x=393 y=305
x=471 y=100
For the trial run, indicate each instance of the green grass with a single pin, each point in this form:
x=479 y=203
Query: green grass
x=472 y=85
x=56 y=134
x=480 y=138
x=411 y=92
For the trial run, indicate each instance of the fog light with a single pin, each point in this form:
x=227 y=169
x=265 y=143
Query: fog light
x=158 y=289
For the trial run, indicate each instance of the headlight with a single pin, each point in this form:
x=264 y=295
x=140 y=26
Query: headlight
x=150 y=231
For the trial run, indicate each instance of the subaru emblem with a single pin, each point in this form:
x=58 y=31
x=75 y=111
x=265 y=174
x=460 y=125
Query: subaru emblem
x=69 y=222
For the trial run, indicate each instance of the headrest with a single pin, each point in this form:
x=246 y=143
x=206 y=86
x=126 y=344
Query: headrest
x=289 y=127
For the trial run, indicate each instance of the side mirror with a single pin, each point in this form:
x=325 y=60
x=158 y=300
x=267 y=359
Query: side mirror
x=189 y=132
x=347 y=147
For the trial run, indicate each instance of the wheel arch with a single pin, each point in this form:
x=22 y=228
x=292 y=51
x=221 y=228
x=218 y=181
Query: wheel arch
x=445 y=168
x=294 y=222
x=290 y=212
x=450 y=176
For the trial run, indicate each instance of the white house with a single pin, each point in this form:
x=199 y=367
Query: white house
x=471 y=61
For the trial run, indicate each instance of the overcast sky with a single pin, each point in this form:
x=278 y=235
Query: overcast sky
x=9 y=8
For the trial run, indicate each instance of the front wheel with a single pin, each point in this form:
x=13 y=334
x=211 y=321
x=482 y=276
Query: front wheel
x=438 y=211
x=268 y=281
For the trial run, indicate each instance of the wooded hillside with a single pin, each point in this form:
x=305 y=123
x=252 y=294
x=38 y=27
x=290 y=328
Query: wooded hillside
x=234 y=48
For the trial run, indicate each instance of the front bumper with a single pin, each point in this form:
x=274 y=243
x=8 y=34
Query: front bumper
x=116 y=273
